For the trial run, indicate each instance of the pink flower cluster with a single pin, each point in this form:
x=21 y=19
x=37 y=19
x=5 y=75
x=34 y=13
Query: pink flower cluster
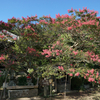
x=29 y=18
x=72 y=70
x=43 y=21
x=91 y=22
x=52 y=20
x=2 y=57
x=84 y=10
x=61 y=68
x=29 y=27
x=69 y=28
x=23 y=19
x=91 y=79
x=77 y=74
x=46 y=51
x=91 y=75
x=70 y=74
x=63 y=16
x=75 y=52
x=93 y=56
x=30 y=50
x=52 y=51
x=92 y=71
x=46 y=16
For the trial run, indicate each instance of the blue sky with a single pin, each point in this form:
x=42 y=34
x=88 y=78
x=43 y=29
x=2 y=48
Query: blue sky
x=19 y=8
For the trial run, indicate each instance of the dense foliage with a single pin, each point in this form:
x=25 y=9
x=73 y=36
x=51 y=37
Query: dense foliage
x=57 y=46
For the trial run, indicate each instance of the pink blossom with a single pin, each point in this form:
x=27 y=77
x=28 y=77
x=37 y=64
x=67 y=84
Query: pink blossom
x=92 y=71
x=63 y=22
x=2 y=58
x=60 y=67
x=56 y=51
x=91 y=79
x=60 y=51
x=58 y=16
x=58 y=42
x=84 y=77
x=43 y=21
x=70 y=74
x=98 y=60
x=97 y=73
x=28 y=27
x=69 y=28
x=42 y=53
x=75 y=52
x=98 y=17
x=68 y=10
x=32 y=29
x=52 y=47
x=47 y=56
x=97 y=23
x=87 y=74
x=53 y=20
x=77 y=74
x=57 y=54
x=96 y=76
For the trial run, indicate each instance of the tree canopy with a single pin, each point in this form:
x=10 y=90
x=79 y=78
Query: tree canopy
x=70 y=42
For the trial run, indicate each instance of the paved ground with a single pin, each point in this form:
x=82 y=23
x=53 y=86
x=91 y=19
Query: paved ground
x=39 y=98
x=75 y=96
x=86 y=95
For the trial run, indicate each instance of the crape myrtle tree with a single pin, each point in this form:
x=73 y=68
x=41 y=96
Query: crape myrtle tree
x=76 y=49
x=69 y=42
x=35 y=35
x=31 y=42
